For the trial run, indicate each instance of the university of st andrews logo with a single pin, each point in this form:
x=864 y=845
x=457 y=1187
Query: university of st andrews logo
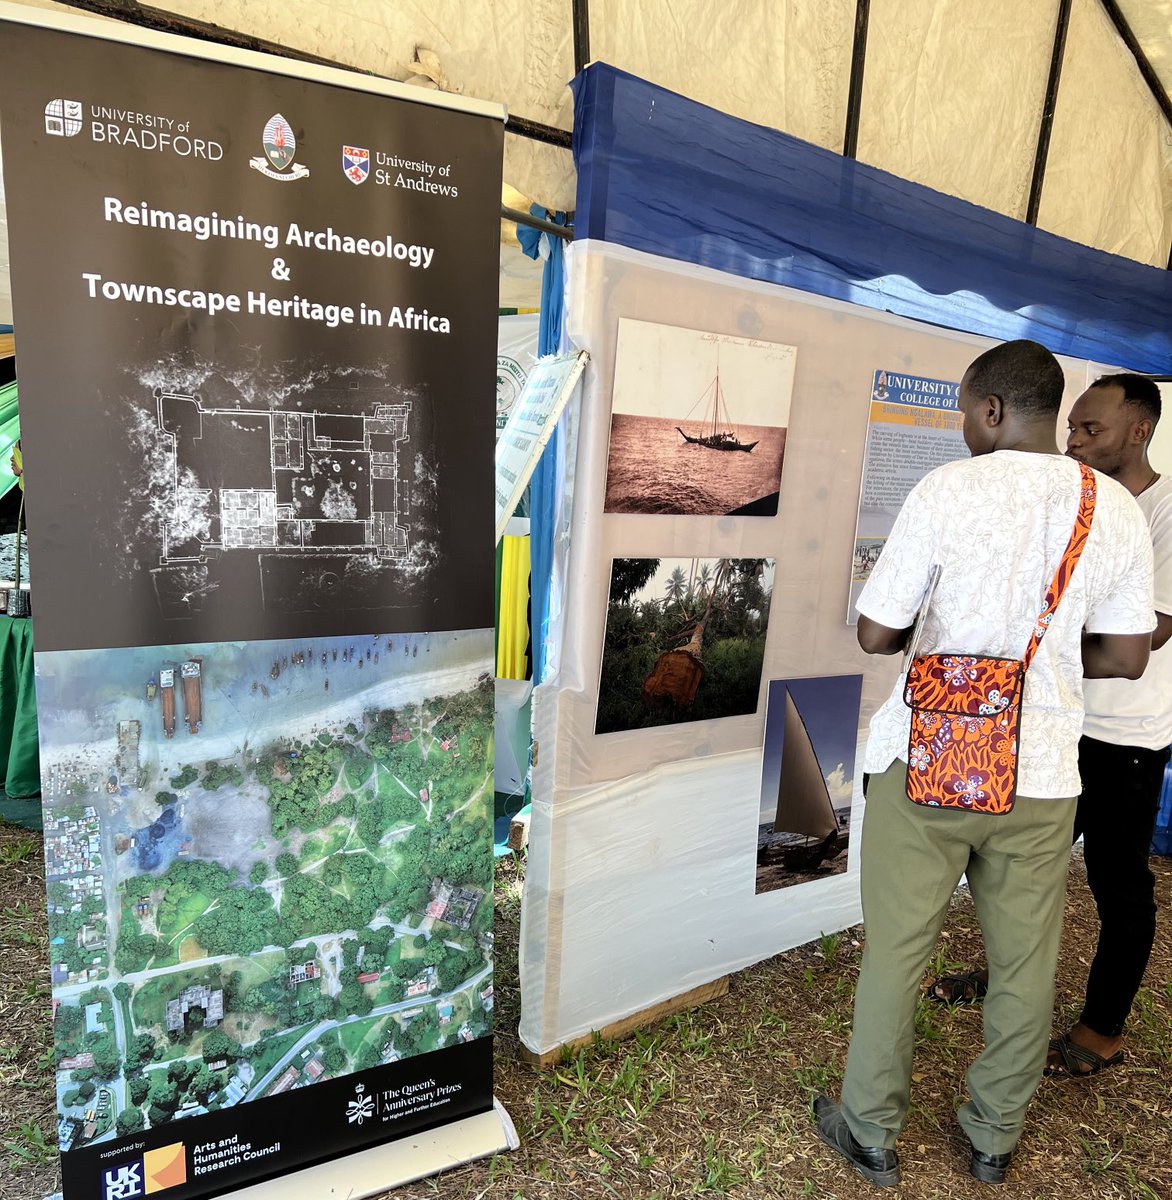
x=355 y=164
x=280 y=147
x=63 y=118
x=361 y=1108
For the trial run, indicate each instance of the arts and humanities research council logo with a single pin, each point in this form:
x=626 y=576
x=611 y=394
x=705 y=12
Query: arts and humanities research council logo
x=156 y=1171
x=361 y=1108
x=280 y=148
x=63 y=118
x=356 y=164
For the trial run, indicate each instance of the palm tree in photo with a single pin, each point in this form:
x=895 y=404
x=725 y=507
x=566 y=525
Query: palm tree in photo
x=704 y=578
x=676 y=586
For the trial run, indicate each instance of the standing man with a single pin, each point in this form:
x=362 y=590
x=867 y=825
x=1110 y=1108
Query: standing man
x=997 y=525
x=1123 y=751
x=1126 y=736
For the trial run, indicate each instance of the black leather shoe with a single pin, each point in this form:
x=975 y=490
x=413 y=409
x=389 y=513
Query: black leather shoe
x=988 y=1168
x=876 y=1164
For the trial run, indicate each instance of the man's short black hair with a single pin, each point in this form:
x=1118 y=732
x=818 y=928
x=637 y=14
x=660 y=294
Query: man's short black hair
x=1138 y=390
x=1023 y=375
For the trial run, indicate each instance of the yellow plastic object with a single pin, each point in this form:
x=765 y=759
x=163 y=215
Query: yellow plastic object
x=513 y=633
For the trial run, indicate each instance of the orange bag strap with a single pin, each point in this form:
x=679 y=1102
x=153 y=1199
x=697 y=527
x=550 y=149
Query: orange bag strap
x=1070 y=557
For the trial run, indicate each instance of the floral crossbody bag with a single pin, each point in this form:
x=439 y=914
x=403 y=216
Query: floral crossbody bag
x=966 y=711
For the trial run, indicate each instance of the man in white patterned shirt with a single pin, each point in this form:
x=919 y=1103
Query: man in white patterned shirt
x=997 y=524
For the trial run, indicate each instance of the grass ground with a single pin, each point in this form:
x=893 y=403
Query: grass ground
x=709 y=1103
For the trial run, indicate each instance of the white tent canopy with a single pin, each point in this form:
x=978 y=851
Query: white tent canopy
x=952 y=97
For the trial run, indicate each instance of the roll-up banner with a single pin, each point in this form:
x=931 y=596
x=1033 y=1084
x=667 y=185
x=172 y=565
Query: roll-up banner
x=256 y=304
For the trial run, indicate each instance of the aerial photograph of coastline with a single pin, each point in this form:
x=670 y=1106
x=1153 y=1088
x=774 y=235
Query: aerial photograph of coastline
x=267 y=866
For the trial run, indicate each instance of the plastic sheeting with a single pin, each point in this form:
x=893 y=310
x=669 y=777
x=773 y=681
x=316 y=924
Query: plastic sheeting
x=666 y=175
x=781 y=64
x=973 y=78
x=643 y=843
x=1109 y=178
x=512 y=630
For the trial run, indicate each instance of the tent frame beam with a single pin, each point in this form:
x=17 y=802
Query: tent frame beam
x=854 y=98
x=1049 y=104
x=1112 y=9
x=566 y=232
x=581 y=14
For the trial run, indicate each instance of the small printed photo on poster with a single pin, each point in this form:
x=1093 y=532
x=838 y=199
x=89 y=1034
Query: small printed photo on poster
x=268 y=865
x=698 y=424
x=807 y=779
x=867 y=551
x=684 y=641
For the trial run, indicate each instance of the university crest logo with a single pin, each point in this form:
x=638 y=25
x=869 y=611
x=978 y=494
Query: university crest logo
x=63 y=118
x=280 y=147
x=356 y=164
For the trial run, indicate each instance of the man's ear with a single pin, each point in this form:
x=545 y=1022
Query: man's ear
x=1141 y=431
x=994 y=411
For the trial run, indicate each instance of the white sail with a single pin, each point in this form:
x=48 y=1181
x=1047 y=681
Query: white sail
x=803 y=799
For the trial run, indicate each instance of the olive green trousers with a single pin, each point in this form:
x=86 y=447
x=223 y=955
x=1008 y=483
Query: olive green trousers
x=912 y=860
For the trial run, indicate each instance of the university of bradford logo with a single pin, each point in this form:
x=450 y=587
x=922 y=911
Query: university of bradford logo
x=63 y=118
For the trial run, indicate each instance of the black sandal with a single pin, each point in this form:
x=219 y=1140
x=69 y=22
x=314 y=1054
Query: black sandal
x=961 y=989
x=1078 y=1062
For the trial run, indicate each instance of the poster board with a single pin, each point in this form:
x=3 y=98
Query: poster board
x=257 y=304
x=516 y=352
x=914 y=425
x=548 y=388
x=626 y=823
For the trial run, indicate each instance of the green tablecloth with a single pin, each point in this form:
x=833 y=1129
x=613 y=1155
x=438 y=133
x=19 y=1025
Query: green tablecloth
x=20 y=765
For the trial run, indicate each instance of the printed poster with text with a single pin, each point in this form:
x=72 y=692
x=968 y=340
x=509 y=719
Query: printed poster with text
x=258 y=325
x=914 y=427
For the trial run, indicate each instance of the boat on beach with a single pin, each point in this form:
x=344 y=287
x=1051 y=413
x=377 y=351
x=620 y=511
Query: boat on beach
x=806 y=831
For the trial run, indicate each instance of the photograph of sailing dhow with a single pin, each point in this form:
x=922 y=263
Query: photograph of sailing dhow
x=698 y=422
x=685 y=640
x=807 y=779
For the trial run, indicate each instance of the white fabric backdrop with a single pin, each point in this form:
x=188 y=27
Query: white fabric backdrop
x=643 y=844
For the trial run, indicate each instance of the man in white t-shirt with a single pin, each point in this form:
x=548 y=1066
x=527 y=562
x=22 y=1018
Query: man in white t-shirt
x=1126 y=735
x=997 y=525
x=1123 y=751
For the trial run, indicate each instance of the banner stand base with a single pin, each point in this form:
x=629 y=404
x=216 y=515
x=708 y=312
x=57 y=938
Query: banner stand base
x=381 y=1168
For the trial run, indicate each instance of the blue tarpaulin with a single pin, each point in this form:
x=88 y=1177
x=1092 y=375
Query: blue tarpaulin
x=666 y=175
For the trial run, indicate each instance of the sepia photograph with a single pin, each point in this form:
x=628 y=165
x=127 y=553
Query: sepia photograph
x=698 y=422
